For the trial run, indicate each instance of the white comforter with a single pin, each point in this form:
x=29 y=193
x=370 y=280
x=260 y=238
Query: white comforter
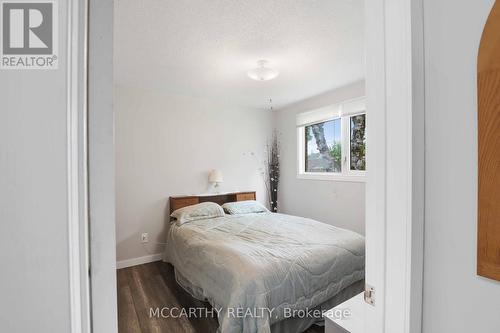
x=268 y=264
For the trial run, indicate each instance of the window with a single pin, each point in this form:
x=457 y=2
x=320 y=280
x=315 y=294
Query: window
x=332 y=142
x=357 y=142
x=322 y=147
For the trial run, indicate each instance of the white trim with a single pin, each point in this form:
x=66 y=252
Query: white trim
x=404 y=75
x=79 y=283
x=394 y=210
x=357 y=105
x=101 y=167
x=353 y=106
x=139 y=261
x=375 y=206
x=331 y=177
x=345 y=144
x=320 y=115
x=415 y=234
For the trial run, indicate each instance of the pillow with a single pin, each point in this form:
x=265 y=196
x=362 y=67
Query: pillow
x=244 y=207
x=204 y=210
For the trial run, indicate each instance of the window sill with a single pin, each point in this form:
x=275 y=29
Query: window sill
x=332 y=177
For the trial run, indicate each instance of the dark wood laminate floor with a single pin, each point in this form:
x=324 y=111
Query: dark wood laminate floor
x=153 y=286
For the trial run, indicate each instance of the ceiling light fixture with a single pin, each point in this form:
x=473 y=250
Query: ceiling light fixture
x=262 y=73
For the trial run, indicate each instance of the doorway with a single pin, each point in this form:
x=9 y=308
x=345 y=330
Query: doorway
x=394 y=83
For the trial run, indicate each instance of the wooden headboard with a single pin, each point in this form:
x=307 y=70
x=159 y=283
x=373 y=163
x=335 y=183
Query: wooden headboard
x=183 y=201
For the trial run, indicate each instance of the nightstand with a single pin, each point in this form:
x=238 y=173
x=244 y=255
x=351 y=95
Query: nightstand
x=347 y=317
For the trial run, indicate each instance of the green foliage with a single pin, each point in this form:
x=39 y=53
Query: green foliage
x=336 y=153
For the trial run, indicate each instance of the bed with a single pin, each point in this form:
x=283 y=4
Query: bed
x=265 y=272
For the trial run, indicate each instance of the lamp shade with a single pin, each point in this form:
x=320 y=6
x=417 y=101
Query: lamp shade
x=215 y=176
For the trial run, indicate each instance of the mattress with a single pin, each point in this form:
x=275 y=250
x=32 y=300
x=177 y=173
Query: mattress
x=259 y=270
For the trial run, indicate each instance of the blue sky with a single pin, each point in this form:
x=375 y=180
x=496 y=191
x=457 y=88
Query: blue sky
x=332 y=133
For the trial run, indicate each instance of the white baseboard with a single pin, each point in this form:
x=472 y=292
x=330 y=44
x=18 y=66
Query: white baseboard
x=139 y=261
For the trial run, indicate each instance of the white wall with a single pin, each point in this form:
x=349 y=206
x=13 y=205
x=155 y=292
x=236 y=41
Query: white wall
x=166 y=145
x=334 y=202
x=455 y=299
x=34 y=279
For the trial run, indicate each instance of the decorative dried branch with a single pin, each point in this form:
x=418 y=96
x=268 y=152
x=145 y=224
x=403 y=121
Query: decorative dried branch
x=272 y=173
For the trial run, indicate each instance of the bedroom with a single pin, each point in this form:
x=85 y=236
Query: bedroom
x=165 y=89
x=196 y=113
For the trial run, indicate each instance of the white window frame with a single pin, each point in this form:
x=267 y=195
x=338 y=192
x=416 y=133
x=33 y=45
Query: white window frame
x=346 y=174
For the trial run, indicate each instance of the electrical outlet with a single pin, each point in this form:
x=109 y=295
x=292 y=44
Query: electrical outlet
x=145 y=237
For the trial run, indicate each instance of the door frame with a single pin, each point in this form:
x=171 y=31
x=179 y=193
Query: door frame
x=394 y=187
x=90 y=165
x=101 y=167
x=77 y=171
x=395 y=157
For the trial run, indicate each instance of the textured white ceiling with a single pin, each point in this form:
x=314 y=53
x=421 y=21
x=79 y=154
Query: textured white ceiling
x=204 y=48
